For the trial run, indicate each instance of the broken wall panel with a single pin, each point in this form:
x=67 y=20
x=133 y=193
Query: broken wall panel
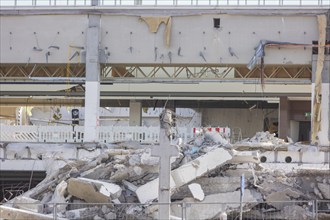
x=126 y=39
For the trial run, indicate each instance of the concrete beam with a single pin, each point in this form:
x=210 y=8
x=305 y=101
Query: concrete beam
x=135 y=113
x=13 y=213
x=185 y=174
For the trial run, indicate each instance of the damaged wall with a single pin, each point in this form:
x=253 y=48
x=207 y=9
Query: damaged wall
x=250 y=121
x=127 y=39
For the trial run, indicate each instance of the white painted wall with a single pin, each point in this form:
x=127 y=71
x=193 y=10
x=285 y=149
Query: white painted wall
x=193 y=34
x=62 y=31
x=248 y=121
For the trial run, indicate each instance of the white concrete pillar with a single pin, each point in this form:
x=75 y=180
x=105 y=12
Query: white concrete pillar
x=135 y=113
x=323 y=136
x=92 y=85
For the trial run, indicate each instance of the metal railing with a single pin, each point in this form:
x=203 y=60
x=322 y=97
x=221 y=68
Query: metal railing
x=112 y=3
x=179 y=210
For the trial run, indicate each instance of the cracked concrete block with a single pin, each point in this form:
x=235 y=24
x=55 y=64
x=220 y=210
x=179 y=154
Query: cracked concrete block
x=245 y=157
x=213 y=205
x=84 y=213
x=98 y=218
x=197 y=191
x=147 y=159
x=84 y=154
x=325 y=190
x=134 y=160
x=130 y=186
x=110 y=216
x=26 y=203
x=149 y=191
x=200 y=166
x=186 y=173
x=93 y=191
x=59 y=196
x=286 y=195
x=97 y=172
x=211 y=185
x=13 y=213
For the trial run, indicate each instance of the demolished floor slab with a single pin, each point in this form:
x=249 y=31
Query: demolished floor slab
x=186 y=173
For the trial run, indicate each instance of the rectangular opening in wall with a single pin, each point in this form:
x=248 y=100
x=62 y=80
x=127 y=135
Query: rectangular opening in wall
x=315 y=49
x=216 y=22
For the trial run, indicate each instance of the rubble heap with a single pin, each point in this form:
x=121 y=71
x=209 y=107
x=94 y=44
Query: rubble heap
x=122 y=183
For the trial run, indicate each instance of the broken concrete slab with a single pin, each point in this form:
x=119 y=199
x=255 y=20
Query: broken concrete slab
x=110 y=216
x=215 y=204
x=98 y=172
x=26 y=203
x=59 y=196
x=186 y=173
x=244 y=157
x=211 y=185
x=283 y=196
x=83 y=213
x=200 y=166
x=325 y=190
x=197 y=191
x=130 y=186
x=93 y=191
x=14 y=213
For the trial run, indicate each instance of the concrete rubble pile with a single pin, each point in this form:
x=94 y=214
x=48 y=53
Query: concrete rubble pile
x=122 y=183
x=265 y=141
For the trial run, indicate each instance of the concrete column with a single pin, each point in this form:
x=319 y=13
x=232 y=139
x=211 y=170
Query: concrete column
x=284 y=118
x=323 y=136
x=135 y=113
x=92 y=85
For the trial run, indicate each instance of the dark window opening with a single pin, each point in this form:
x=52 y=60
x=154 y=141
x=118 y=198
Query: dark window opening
x=315 y=48
x=216 y=22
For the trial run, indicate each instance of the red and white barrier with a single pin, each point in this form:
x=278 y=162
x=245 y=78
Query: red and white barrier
x=222 y=130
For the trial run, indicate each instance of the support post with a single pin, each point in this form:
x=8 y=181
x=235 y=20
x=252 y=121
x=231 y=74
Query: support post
x=317 y=91
x=135 y=113
x=283 y=117
x=322 y=137
x=92 y=85
x=165 y=151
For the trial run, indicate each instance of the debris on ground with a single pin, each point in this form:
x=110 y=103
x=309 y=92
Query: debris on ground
x=122 y=183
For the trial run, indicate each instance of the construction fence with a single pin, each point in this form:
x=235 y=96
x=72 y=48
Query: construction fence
x=314 y=209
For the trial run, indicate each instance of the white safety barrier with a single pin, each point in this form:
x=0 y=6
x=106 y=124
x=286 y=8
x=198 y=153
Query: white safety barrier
x=25 y=133
x=118 y=3
x=107 y=134
x=120 y=133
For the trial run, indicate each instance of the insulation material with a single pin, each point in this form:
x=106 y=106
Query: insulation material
x=317 y=99
x=259 y=53
x=154 y=23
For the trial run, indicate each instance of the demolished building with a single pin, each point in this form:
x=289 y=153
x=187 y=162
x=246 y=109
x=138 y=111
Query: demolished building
x=248 y=86
x=122 y=183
